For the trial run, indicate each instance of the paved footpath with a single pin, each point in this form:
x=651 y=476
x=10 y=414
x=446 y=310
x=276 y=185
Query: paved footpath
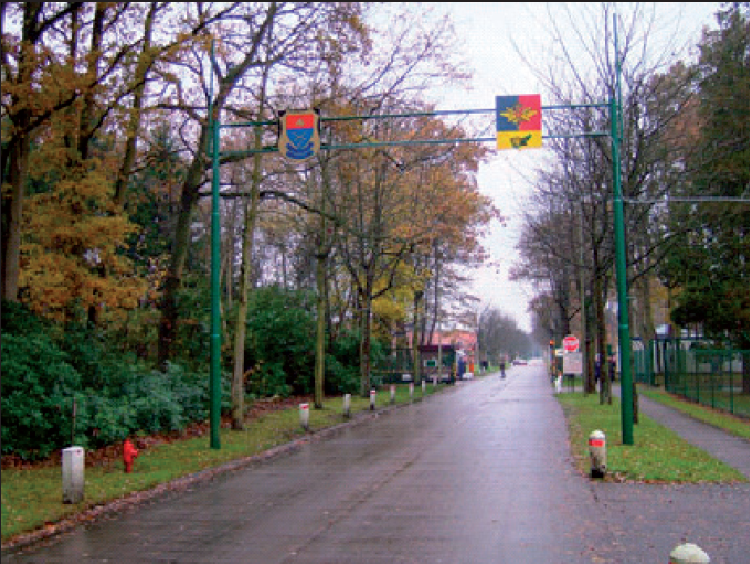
x=716 y=517
x=482 y=473
x=732 y=450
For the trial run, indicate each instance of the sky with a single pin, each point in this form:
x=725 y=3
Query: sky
x=488 y=31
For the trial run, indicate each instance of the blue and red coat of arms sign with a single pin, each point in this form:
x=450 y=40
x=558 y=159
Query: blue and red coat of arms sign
x=299 y=134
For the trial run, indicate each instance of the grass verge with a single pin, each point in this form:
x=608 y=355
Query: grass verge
x=32 y=498
x=658 y=455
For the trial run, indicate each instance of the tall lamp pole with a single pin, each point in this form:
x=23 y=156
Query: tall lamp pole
x=626 y=382
x=215 y=377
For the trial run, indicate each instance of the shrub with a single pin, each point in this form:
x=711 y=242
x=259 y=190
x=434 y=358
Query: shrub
x=340 y=378
x=280 y=344
x=37 y=399
x=115 y=394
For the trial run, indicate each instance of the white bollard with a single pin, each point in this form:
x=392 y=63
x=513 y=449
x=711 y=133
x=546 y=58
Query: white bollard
x=424 y=384
x=411 y=390
x=688 y=554
x=347 y=405
x=434 y=381
x=598 y=451
x=558 y=384
x=304 y=416
x=372 y=399
x=72 y=474
x=393 y=394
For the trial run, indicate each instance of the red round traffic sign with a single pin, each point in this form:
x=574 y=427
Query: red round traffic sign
x=570 y=344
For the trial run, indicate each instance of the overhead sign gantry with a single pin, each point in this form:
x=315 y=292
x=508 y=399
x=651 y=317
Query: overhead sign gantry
x=519 y=126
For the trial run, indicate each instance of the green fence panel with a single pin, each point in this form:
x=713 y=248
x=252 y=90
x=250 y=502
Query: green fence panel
x=696 y=370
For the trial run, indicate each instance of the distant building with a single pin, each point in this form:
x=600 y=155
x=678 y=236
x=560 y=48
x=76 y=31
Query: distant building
x=463 y=343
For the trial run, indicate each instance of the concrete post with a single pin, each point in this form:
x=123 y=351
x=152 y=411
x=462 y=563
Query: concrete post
x=304 y=416
x=598 y=451
x=347 y=405
x=688 y=554
x=411 y=391
x=393 y=394
x=72 y=474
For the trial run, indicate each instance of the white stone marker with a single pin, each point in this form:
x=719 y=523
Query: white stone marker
x=688 y=554
x=72 y=474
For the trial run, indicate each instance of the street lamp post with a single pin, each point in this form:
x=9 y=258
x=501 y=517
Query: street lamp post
x=626 y=381
x=215 y=374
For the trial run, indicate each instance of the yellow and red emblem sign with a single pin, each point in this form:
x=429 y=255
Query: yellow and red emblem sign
x=519 y=122
x=299 y=134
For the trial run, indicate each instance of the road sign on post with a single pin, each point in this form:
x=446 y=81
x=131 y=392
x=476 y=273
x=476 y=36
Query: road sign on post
x=571 y=344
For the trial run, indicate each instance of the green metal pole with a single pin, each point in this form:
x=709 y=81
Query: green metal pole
x=626 y=380
x=215 y=382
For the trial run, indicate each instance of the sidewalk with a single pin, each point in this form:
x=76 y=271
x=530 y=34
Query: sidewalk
x=731 y=450
x=649 y=520
x=734 y=451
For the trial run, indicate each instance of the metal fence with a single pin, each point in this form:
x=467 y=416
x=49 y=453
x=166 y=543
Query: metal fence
x=686 y=367
x=398 y=367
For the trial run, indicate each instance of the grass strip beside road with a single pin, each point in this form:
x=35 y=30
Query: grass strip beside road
x=658 y=455
x=32 y=498
x=732 y=424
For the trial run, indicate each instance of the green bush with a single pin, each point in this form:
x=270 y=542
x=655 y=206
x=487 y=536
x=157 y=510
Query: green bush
x=38 y=387
x=343 y=366
x=280 y=343
x=115 y=394
x=340 y=378
x=149 y=401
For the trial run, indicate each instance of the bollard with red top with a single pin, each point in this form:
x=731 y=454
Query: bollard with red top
x=598 y=451
x=304 y=416
x=129 y=454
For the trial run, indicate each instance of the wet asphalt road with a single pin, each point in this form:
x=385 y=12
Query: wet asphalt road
x=479 y=474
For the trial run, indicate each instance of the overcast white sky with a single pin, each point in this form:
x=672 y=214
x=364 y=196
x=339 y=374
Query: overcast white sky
x=487 y=29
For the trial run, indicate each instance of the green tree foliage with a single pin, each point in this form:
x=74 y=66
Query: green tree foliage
x=711 y=267
x=280 y=342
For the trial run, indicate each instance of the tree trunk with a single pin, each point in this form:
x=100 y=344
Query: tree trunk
x=601 y=340
x=364 y=349
x=251 y=212
x=320 y=339
x=321 y=257
x=12 y=212
x=134 y=125
x=588 y=360
x=415 y=339
x=188 y=200
x=18 y=151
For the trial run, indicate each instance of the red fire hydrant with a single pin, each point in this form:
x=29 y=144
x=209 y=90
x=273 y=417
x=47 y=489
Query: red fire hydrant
x=129 y=454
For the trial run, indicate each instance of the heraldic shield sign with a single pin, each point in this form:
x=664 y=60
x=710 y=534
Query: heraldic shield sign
x=519 y=122
x=299 y=134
